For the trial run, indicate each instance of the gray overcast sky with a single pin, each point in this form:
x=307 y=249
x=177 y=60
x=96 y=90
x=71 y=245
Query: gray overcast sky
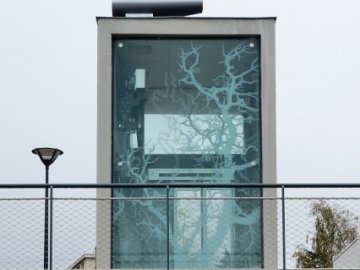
x=48 y=86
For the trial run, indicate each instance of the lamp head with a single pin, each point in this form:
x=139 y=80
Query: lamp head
x=47 y=155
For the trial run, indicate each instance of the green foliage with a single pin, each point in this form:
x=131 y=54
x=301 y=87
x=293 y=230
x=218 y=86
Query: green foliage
x=335 y=228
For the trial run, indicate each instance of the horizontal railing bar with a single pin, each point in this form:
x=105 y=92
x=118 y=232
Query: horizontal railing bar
x=140 y=198
x=184 y=185
x=176 y=198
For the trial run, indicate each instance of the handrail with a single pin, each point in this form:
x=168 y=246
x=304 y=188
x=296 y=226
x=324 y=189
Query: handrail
x=180 y=185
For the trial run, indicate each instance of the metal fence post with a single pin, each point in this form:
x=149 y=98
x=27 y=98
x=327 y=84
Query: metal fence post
x=283 y=226
x=51 y=229
x=46 y=221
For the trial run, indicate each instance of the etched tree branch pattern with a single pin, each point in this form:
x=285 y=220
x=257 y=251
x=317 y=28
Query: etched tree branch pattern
x=202 y=124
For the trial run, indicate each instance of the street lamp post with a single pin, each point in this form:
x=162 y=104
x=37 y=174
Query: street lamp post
x=47 y=156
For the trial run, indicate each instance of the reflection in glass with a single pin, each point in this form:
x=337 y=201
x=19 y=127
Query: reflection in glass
x=186 y=110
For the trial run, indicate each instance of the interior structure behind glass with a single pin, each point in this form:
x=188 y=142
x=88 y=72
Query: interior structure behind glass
x=186 y=110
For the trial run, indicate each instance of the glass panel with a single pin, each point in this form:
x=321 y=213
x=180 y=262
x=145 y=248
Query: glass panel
x=187 y=110
x=140 y=233
x=213 y=229
x=202 y=232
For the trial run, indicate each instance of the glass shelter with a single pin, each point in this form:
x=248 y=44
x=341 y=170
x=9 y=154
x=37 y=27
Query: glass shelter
x=185 y=101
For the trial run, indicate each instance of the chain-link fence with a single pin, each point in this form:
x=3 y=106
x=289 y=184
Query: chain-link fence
x=180 y=226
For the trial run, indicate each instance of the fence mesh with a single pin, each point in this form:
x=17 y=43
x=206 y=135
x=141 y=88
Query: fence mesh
x=182 y=228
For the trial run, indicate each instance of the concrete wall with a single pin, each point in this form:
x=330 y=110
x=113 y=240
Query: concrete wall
x=197 y=27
